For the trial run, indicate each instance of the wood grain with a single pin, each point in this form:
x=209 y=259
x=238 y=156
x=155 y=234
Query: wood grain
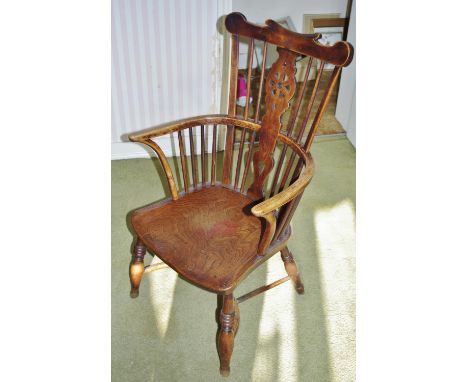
x=207 y=236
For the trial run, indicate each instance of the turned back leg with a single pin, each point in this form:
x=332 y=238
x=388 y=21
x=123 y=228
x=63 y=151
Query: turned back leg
x=228 y=324
x=291 y=269
x=137 y=267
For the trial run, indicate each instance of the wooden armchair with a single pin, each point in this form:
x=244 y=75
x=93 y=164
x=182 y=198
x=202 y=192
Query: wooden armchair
x=214 y=232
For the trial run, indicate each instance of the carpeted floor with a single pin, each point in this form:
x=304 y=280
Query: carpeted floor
x=168 y=332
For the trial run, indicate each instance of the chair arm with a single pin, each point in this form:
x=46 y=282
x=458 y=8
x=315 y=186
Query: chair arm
x=171 y=127
x=275 y=202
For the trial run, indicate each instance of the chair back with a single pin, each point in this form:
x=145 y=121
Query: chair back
x=277 y=94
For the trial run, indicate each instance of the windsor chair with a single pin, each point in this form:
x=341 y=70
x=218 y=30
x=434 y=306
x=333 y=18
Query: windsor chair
x=214 y=232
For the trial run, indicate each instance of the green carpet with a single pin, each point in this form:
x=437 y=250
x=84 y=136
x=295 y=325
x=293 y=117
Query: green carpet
x=168 y=332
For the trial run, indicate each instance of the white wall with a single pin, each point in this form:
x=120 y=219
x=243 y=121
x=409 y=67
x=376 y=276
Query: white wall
x=166 y=65
x=346 y=103
x=258 y=11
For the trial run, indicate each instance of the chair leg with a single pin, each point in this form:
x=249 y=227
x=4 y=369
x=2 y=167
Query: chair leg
x=291 y=269
x=229 y=318
x=137 y=267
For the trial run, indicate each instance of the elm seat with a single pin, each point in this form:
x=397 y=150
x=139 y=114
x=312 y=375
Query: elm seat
x=208 y=236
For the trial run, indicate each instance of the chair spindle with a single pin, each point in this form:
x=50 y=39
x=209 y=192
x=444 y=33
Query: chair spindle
x=262 y=75
x=287 y=170
x=239 y=158
x=203 y=164
x=183 y=160
x=249 y=78
x=193 y=159
x=247 y=161
x=298 y=101
x=286 y=214
x=311 y=102
x=213 y=157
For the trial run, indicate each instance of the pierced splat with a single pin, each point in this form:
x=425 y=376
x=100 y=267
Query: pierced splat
x=280 y=87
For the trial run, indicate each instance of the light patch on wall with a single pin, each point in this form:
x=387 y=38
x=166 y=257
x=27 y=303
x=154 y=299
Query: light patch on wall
x=278 y=329
x=162 y=285
x=335 y=228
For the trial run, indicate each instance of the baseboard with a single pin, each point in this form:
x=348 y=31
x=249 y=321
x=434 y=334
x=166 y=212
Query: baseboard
x=129 y=150
x=327 y=137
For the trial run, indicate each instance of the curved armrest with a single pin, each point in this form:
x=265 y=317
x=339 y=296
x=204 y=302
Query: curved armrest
x=273 y=203
x=171 y=127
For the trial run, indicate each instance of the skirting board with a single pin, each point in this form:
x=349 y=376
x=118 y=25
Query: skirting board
x=130 y=150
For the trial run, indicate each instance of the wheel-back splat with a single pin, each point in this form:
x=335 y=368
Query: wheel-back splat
x=279 y=89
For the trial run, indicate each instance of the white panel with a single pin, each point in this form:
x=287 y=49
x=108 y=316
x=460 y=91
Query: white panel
x=165 y=59
x=346 y=103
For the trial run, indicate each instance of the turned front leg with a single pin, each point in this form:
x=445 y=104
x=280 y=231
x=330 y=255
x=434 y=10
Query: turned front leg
x=291 y=270
x=137 y=267
x=229 y=323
